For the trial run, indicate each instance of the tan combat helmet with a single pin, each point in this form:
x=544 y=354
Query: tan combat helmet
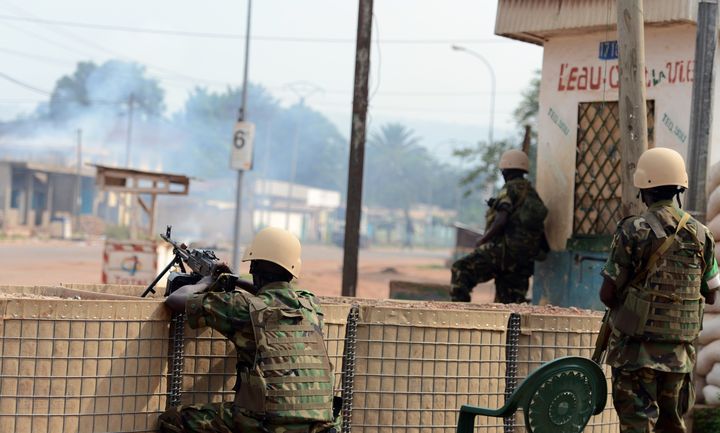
x=514 y=158
x=660 y=166
x=277 y=246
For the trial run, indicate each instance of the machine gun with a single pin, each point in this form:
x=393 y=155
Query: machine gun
x=602 y=339
x=202 y=263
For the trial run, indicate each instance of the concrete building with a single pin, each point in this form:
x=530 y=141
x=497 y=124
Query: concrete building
x=33 y=195
x=578 y=174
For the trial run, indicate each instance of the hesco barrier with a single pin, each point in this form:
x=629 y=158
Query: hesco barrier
x=542 y=337
x=89 y=365
x=208 y=372
x=81 y=365
x=415 y=367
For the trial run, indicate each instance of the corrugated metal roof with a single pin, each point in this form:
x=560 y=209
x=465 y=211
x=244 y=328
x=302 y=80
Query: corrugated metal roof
x=536 y=20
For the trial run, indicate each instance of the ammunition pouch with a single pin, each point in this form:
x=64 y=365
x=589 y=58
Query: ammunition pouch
x=631 y=316
x=250 y=391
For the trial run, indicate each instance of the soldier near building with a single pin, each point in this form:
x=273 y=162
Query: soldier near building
x=660 y=268
x=284 y=376
x=513 y=240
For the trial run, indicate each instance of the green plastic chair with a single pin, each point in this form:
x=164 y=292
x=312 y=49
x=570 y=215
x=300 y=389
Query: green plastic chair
x=558 y=397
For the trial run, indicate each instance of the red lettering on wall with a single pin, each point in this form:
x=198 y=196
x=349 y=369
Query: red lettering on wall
x=595 y=81
x=583 y=78
x=572 y=78
x=613 y=77
x=561 y=86
x=594 y=77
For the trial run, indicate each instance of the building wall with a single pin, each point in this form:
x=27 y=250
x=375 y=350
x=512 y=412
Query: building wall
x=5 y=179
x=574 y=73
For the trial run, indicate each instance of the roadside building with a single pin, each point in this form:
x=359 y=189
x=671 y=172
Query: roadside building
x=578 y=165
x=34 y=195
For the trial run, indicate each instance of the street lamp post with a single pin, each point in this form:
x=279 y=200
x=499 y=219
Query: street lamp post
x=492 y=85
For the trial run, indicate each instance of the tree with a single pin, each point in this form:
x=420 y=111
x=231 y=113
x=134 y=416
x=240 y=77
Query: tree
x=319 y=151
x=398 y=170
x=526 y=112
x=106 y=89
x=487 y=155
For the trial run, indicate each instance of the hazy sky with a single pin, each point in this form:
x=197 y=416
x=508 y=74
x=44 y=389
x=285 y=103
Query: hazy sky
x=416 y=77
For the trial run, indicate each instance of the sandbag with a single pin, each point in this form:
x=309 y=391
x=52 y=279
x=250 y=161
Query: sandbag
x=713 y=308
x=713 y=205
x=713 y=378
x=714 y=226
x=707 y=357
x=713 y=178
x=710 y=329
x=712 y=395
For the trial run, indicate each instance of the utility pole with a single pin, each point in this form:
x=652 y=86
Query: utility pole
x=78 y=182
x=303 y=90
x=242 y=115
x=631 y=100
x=128 y=143
x=701 y=107
x=293 y=172
x=353 y=207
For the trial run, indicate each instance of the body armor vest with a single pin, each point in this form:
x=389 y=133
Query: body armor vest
x=664 y=303
x=290 y=380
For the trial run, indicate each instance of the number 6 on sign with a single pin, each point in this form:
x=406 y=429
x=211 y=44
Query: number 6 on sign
x=241 y=152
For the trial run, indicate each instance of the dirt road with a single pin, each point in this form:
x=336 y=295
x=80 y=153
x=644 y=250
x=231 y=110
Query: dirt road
x=35 y=262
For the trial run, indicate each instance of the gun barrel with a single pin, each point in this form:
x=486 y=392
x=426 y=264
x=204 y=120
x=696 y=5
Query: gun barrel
x=602 y=339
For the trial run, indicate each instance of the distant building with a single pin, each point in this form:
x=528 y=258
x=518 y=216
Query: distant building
x=33 y=195
x=306 y=211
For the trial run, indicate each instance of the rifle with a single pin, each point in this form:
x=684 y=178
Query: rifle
x=602 y=340
x=202 y=263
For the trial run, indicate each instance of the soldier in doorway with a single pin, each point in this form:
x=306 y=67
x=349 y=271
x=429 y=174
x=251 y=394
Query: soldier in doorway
x=284 y=376
x=514 y=238
x=660 y=268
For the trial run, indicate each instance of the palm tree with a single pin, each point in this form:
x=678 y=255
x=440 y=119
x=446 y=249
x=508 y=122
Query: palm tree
x=398 y=167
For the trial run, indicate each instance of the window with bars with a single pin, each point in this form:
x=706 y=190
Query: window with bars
x=598 y=182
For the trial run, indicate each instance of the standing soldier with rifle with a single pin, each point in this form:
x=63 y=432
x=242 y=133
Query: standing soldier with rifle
x=284 y=376
x=661 y=266
x=514 y=237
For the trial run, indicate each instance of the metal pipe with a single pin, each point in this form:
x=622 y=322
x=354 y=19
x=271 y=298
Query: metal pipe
x=701 y=107
x=241 y=116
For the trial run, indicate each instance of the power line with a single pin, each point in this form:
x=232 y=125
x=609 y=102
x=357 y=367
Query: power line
x=165 y=79
x=213 y=35
x=37 y=57
x=23 y=84
x=92 y=44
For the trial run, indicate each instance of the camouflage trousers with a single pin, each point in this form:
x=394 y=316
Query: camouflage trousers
x=487 y=262
x=221 y=418
x=648 y=400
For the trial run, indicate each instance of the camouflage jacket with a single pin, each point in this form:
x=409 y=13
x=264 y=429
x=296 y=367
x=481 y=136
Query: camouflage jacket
x=229 y=313
x=527 y=213
x=633 y=244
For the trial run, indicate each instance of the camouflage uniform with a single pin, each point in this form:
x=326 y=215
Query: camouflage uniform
x=229 y=313
x=509 y=258
x=651 y=383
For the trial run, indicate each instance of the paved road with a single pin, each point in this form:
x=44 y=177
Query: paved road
x=34 y=262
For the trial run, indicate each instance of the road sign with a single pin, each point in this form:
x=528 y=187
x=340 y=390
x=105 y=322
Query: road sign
x=241 y=153
x=129 y=262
